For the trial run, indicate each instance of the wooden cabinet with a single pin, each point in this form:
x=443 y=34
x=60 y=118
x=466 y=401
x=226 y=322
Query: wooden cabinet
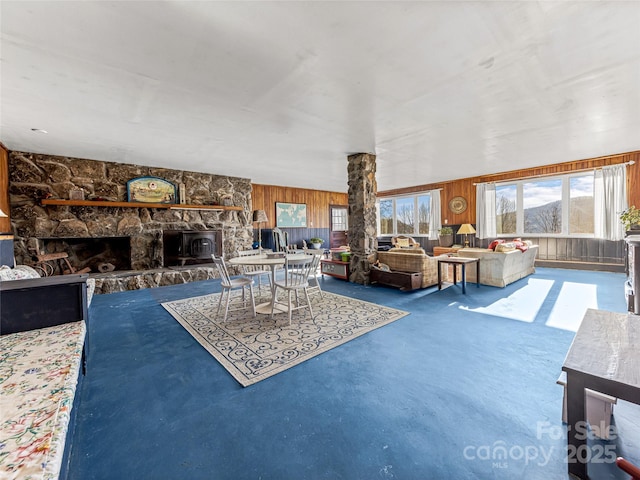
x=335 y=268
x=632 y=286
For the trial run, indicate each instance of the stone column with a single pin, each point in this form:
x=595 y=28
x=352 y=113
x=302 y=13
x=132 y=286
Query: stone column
x=362 y=215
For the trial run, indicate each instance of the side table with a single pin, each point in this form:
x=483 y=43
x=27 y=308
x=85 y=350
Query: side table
x=459 y=261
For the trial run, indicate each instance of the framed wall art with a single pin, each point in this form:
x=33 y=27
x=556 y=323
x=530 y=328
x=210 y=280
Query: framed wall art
x=291 y=214
x=76 y=194
x=458 y=205
x=151 y=190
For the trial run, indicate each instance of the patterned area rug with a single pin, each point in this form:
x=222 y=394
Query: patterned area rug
x=252 y=349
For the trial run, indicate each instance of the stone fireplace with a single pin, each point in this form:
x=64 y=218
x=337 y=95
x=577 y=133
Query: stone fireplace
x=99 y=254
x=33 y=177
x=188 y=247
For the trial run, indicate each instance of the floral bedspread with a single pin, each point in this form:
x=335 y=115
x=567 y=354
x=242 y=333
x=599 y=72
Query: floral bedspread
x=38 y=377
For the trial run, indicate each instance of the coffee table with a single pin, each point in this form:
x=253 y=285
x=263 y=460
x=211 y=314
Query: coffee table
x=455 y=261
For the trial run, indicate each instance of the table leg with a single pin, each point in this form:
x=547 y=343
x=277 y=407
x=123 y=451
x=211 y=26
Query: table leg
x=439 y=276
x=478 y=273
x=455 y=273
x=464 y=278
x=576 y=428
x=265 y=308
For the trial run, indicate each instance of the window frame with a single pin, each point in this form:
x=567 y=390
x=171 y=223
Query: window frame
x=565 y=201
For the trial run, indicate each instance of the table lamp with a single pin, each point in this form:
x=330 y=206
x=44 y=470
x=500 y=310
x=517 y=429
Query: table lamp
x=466 y=229
x=260 y=216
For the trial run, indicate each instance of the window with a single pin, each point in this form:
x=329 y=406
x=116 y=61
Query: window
x=405 y=222
x=506 y=209
x=561 y=205
x=581 y=205
x=408 y=215
x=386 y=217
x=339 y=219
x=424 y=211
x=542 y=206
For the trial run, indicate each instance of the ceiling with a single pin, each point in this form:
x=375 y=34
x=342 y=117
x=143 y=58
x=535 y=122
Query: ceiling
x=282 y=92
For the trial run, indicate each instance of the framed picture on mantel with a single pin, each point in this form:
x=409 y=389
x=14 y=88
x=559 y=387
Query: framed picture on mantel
x=151 y=190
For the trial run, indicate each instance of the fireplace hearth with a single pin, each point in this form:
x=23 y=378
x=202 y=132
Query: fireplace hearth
x=99 y=254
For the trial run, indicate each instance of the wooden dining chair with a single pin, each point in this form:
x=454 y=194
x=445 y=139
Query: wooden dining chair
x=280 y=240
x=228 y=284
x=296 y=275
x=256 y=272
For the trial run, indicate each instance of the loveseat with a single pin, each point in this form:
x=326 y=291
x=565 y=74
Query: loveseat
x=412 y=260
x=499 y=269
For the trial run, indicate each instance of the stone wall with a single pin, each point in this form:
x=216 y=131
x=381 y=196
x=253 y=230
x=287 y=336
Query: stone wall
x=361 y=170
x=33 y=177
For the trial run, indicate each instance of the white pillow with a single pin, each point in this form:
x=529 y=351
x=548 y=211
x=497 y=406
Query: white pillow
x=18 y=273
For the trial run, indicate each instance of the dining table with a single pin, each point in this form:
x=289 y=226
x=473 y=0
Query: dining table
x=273 y=261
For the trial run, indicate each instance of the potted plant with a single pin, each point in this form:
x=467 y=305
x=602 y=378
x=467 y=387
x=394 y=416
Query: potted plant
x=316 y=242
x=445 y=237
x=631 y=218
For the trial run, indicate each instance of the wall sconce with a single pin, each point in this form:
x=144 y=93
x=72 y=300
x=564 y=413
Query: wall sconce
x=260 y=216
x=466 y=229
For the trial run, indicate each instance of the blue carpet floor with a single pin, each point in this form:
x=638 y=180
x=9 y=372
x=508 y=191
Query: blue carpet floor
x=462 y=388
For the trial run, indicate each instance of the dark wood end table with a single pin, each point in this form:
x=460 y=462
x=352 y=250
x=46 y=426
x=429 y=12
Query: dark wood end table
x=455 y=261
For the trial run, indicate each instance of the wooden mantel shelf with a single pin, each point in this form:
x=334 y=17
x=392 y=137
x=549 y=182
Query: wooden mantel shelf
x=99 y=203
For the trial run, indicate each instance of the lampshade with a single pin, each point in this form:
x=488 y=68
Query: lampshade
x=260 y=216
x=2 y=214
x=466 y=228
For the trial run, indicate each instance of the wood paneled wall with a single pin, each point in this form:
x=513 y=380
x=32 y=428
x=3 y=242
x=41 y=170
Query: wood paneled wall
x=264 y=197
x=465 y=187
x=5 y=223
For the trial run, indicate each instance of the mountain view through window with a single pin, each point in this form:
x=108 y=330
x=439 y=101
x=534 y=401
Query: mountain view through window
x=555 y=206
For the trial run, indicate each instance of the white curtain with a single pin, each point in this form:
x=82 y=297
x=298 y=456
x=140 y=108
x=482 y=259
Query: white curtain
x=435 y=220
x=610 y=199
x=485 y=210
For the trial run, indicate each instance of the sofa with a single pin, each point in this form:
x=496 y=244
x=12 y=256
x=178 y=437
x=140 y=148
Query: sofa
x=43 y=345
x=500 y=268
x=412 y=260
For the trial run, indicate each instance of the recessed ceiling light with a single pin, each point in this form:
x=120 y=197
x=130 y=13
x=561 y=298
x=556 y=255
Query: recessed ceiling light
x=38 y=130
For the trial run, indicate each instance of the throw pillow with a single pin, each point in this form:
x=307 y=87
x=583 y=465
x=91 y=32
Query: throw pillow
x=505 y=247
x=520 y=245
x=495 y=243
x=402 y=242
